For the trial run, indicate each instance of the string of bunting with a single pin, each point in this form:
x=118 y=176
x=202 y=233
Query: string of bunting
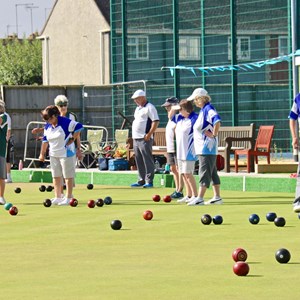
x=243 y=67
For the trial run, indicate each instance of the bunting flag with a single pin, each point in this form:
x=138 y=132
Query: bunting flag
x=239 y=67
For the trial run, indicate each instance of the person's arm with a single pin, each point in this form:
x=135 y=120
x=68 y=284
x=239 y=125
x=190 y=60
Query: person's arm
x=153 y=127
x=293 y=129
x=43 y=151
x=37 y=130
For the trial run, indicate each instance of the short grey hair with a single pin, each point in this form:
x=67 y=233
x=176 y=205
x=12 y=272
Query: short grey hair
x=61 y=99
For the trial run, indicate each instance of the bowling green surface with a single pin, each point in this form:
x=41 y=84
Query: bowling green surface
x=73 y=253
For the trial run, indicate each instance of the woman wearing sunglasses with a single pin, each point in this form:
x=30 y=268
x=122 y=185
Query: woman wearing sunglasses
x=60 y=134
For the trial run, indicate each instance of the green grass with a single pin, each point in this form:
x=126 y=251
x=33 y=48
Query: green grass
x=72 y=253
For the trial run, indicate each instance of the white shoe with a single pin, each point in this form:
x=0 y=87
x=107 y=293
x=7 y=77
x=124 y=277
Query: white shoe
x=8 y=181
x=296 y=205
x=2 y=201
x=184 y=199
x=214 y=200
x=196 y=201
x=56 y=201
x=65 y=201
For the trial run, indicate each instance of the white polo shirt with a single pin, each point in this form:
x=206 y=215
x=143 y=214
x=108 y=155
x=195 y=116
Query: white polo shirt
x=143 y=118
x=58 y=137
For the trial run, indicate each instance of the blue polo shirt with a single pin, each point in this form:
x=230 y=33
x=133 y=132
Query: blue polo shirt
x=58 y=137
x=206 y=121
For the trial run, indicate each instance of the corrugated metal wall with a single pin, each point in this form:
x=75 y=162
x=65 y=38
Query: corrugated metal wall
x=24 y=104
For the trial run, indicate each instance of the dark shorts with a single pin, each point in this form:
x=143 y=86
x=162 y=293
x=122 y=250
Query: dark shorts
x=208 y=171
x=8 y=151
x=172 y=159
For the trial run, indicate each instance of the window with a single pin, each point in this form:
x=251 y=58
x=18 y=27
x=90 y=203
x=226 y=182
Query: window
x=242 y=48
x=282 y=46
x=138 y=47
x=189 y=48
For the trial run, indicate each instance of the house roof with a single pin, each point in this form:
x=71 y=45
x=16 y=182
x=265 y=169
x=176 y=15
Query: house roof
x=104 y=7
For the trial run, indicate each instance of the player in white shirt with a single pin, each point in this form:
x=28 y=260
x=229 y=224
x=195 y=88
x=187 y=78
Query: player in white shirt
x=171 y=147
x=185 y=150
x=206 y=146
x=60 y=134
x=145 y=122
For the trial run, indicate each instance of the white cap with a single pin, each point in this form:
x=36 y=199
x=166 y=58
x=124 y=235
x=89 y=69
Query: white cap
x=61 y=99
x=138 y=93
x=199 y=92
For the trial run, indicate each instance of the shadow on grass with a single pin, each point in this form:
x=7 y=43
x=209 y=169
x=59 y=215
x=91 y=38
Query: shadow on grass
x=254 y=276
x=259 y=202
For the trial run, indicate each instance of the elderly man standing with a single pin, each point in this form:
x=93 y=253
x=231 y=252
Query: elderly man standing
x=144 y=125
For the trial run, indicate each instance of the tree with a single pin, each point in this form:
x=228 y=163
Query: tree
x=20 y=61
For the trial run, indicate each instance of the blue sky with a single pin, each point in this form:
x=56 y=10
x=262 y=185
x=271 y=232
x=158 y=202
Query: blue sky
x=37 y=14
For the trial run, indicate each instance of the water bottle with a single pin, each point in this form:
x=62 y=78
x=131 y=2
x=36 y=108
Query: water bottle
x=20 y=164
x=162 y=180
x=295 y=154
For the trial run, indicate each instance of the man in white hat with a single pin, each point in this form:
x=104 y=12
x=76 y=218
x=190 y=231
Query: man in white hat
x=145 y=122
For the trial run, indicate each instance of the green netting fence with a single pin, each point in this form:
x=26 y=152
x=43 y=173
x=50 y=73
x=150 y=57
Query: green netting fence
x=148 y=35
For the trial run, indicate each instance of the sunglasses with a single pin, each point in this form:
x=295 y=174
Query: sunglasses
x=62 y=105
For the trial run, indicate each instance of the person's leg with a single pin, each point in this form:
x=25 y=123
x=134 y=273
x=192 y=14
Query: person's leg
x=57 y=186
x=216 y=183
x=68 y=169
x=8 y=163
x=56 y=171
x=139 y=161
x=2 y=179
x=69 y=187
x=204 y=174
x=146 y=151
x=190 y=179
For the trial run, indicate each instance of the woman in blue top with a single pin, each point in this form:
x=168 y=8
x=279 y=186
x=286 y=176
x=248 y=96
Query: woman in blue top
x=59 y=134
x=185 y=150
x=206 y=146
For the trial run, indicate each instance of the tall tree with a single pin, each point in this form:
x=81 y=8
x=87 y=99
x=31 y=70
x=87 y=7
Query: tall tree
x=20 y=61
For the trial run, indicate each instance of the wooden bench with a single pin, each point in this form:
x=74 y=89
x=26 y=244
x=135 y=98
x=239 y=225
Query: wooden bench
x=233 y=138
x=159 y=144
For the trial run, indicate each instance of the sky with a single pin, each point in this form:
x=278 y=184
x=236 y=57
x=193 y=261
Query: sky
x=29 y=19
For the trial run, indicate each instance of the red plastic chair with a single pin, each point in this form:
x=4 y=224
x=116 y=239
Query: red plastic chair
x=262 y=147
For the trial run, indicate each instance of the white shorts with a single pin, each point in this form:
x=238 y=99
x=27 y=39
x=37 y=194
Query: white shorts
x=186 y=166
x=62 y=166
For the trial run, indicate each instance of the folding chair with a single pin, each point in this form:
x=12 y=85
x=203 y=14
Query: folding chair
x=92 y=147
x=262 y=147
